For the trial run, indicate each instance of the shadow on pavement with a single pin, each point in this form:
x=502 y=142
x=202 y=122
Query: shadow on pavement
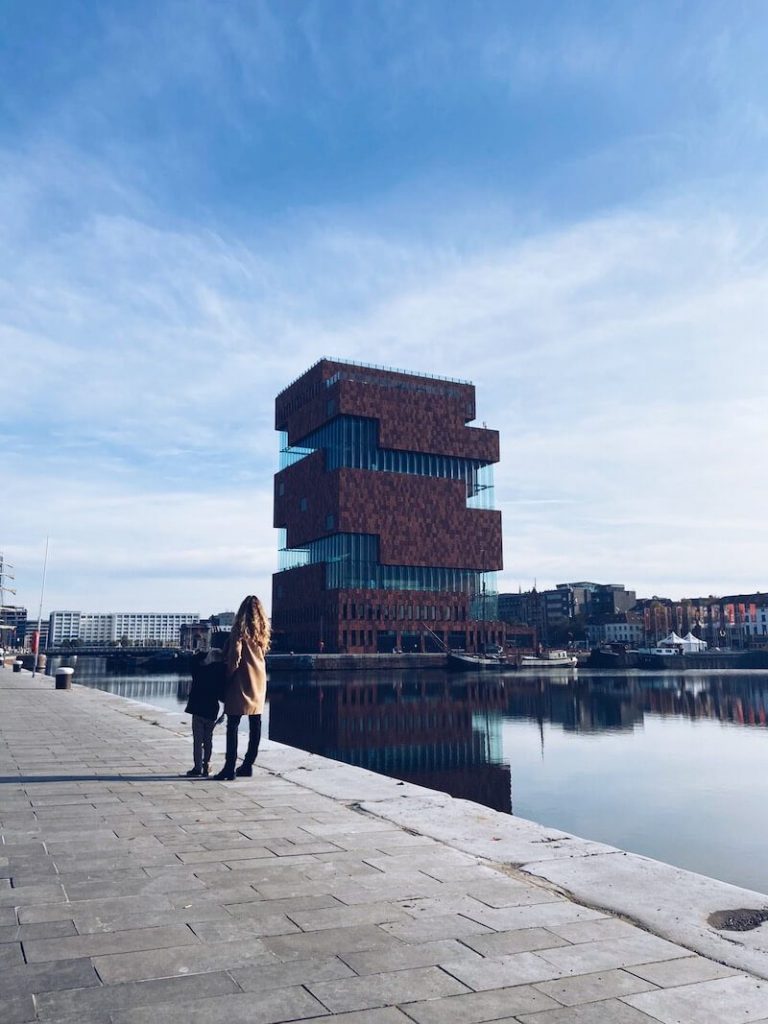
x=97 y=778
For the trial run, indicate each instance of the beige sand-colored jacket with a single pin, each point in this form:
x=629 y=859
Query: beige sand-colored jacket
x=247 y=685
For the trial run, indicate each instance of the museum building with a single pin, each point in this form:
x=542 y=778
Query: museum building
x=384 y=503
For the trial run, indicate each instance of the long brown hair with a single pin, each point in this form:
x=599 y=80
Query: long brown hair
x=251 y=623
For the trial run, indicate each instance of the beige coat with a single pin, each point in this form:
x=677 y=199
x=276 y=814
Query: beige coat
x=247 y=684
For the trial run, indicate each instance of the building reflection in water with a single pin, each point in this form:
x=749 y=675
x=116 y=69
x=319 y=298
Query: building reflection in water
x=575 y=708
x=736 y=698
x=608 y=703
x=429 y=729
x=740 y=700
x=445 y=732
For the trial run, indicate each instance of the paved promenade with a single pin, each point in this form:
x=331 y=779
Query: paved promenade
x=130 y=895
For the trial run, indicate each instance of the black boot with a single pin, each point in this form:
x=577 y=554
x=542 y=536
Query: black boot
x=227 y=773
x=254 y=738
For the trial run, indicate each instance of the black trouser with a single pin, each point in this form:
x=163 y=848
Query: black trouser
x=202 y=740
x=254 y=738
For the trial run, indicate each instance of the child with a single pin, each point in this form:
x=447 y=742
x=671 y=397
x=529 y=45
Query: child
x=203 y=704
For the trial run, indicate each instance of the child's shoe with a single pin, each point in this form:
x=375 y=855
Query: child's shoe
x=244 y=770
x=193 y=773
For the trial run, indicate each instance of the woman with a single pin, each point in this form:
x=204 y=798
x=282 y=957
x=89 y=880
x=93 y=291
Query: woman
x=246 y=683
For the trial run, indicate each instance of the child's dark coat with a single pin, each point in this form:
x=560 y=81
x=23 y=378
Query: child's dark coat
x=206 y=690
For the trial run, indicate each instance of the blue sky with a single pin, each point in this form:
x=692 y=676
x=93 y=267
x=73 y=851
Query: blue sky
x=562 y=202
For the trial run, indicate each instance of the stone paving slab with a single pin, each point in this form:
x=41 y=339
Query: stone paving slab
x=589 y=988
x=284 y=1004
x=609 y=1011
x=17 y=1009
x=175 y=961
x=39 y=950
x=312 y=892
x=735 y=1000
x=497 y=1005
x=51 y=1005
x=286 y=975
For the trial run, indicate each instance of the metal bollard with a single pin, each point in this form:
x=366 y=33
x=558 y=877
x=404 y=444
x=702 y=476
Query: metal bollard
x=64 y=678
x=17 y=665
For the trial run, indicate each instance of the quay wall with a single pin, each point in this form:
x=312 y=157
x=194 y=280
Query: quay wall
x=352 y=662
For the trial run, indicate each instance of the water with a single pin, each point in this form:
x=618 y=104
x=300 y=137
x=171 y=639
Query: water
x=670 y=765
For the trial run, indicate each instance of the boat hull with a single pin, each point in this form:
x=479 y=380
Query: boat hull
x=473 y=663
x=558 y=663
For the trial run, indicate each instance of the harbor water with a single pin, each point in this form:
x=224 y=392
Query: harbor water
x=670 y=765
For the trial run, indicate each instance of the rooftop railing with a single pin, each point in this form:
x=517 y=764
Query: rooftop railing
x=375 y=366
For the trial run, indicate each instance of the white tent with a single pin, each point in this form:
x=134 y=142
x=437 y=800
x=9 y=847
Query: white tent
x=692 y=644
x=688 y=644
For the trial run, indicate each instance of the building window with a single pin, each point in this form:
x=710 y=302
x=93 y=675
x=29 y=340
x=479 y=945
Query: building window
x=303 y=505
x=329 y=521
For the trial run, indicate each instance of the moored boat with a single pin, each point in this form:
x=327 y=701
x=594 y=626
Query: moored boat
x=461 y=661
x=549 y=659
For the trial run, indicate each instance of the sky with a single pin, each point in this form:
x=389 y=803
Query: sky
x=561 y=202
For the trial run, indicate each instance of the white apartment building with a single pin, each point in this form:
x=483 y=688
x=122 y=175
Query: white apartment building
x=63 y=626
x=153 y=629
x=630 y=633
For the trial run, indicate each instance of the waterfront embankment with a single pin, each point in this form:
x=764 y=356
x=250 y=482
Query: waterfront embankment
x=319 y=891
x=353 y=662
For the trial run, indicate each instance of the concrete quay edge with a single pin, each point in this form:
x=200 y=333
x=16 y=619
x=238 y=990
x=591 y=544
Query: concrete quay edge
x=668 y=901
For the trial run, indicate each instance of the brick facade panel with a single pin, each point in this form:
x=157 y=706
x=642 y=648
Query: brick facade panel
x=420 y=520
x=306 y=480
x=434 y=423
x=300 y=601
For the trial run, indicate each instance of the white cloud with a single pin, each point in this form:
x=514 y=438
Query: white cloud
x=620 y=358
x=115 y=545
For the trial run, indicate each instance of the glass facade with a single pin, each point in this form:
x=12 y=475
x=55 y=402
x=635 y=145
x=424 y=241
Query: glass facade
x=352 y=560
x=352 y=563
x=353 y=442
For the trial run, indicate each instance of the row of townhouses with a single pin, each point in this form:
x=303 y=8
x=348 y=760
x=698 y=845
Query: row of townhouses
x=608 y=613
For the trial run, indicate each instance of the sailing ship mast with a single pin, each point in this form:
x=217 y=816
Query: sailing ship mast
x=5 y=574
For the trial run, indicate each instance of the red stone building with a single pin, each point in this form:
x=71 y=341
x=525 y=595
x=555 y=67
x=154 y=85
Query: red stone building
x=384 y=502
